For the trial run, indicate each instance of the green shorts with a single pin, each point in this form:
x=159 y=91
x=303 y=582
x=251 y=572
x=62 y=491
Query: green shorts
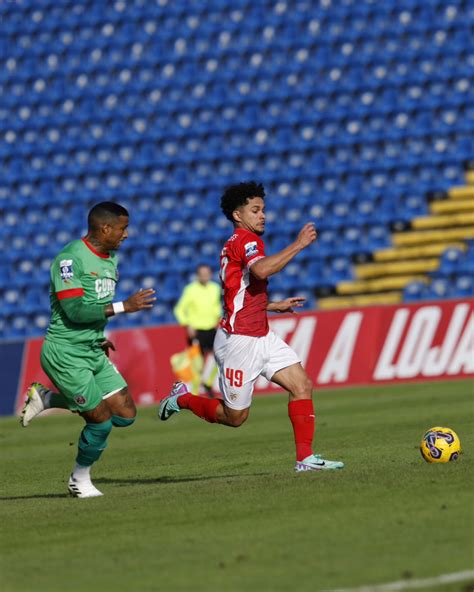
x=83 y=374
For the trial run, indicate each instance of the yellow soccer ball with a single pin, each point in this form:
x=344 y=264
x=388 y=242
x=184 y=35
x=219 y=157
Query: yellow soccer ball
x=440 y=445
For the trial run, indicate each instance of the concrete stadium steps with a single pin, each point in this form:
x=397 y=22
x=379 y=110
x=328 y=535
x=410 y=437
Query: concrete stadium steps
x=415 y=253
x=360 y=300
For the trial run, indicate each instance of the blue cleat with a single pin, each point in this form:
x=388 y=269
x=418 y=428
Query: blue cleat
x=169 y=405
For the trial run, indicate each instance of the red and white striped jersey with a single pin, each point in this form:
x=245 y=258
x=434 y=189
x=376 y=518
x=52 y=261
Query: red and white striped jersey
x=245 y=296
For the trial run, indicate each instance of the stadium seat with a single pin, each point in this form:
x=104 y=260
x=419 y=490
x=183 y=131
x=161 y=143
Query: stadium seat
x=161 y=105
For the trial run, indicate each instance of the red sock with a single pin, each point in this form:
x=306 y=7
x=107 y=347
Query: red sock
x=201 y=406
x=301 y=413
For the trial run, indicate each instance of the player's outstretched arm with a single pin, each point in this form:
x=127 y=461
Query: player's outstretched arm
x=80 y=312
x=287 y=305
x=272 y=264
x=140 y=300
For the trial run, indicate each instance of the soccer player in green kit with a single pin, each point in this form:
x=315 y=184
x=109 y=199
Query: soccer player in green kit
x=75 y=351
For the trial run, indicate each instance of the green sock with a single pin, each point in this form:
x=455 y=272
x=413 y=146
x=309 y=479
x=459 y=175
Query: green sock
x=122 y=422
x=92 y=442
x=56 y=401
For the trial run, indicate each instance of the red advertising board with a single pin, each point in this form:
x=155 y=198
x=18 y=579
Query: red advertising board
x=382 y=344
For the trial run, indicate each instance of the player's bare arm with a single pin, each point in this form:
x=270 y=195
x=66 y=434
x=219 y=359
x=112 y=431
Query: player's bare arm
x=287 y=305
x=140 y=300
x=272 y=264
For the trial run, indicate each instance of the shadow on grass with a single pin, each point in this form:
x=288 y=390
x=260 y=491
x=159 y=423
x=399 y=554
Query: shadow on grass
x=135 y=481
x=36 y=496
x=165 y=479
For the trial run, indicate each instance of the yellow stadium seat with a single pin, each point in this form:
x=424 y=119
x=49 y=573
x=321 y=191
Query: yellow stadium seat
x=360 y=300
x=390 y=268
x=378 y=285
x=447 y=221
x=451 y=206
x=417 y=251
x=432 y=236
x=461 y=192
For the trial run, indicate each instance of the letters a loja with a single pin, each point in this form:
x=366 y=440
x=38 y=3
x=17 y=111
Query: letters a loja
x=417 y=356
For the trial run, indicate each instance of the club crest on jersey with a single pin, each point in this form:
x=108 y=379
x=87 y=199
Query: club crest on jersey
x=65 y=267
x=79 y=399
x=251 y=249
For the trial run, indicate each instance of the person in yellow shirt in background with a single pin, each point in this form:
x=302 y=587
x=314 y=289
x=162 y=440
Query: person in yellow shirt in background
x=199 y=310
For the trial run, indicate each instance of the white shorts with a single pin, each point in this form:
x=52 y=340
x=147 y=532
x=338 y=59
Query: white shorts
x=241 y=359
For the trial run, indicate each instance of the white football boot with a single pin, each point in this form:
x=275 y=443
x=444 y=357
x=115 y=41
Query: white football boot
x=314 y=462
x=34 y=403
x=82 y=488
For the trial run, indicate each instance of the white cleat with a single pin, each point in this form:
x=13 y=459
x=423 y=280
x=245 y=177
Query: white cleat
x=314 y=462
x=82 y=488
x=34 y=403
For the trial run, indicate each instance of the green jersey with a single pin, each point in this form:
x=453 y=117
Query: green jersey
x=79 y=272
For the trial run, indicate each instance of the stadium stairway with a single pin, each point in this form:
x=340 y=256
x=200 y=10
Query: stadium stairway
x=416 y=253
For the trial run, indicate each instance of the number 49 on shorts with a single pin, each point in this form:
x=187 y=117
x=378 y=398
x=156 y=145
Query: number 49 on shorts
x=235 y=377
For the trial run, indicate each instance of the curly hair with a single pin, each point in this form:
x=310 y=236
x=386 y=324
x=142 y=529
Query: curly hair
x=237 y=195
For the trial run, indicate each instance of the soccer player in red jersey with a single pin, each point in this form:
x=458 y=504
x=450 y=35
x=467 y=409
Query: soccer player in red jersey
x=244 y=346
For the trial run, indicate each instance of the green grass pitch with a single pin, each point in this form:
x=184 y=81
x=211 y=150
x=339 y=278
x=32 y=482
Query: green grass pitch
x=199 y=507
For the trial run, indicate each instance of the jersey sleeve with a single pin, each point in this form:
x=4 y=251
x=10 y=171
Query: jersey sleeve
x=66 y=274
x=250 y=250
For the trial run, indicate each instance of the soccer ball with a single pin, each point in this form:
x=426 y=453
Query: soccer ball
x=440 y=445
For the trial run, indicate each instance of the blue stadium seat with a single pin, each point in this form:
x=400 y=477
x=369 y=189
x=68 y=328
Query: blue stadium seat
x=438 y=289
x=160 y=105
x=463 y=286
x=414 y=291
x=450 y=261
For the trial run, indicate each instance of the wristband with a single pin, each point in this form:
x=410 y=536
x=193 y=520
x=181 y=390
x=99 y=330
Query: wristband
x=118 y=307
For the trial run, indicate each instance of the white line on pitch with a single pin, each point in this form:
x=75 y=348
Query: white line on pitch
x=459 y=576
